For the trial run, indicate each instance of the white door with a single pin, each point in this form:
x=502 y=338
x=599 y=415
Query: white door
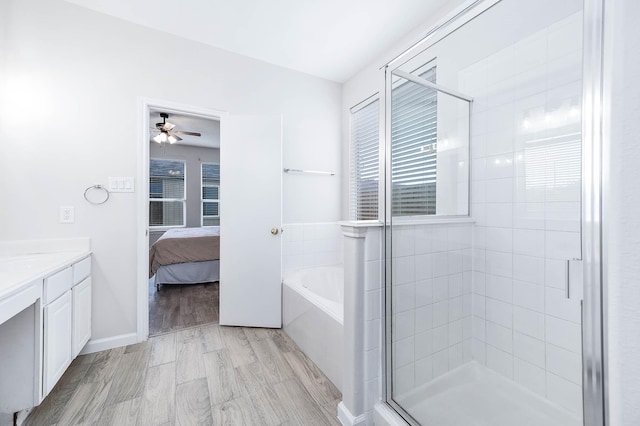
x=250 y=221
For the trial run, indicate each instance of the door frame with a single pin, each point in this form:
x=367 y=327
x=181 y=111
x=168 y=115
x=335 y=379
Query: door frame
x=145 y=105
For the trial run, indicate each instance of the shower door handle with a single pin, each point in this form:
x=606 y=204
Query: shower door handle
x=569 y=275
x=568 y=279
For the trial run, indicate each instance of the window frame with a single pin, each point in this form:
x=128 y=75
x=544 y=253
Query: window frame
x=203 y=200
x=183 y=200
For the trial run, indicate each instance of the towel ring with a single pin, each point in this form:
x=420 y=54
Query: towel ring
x=98 y=187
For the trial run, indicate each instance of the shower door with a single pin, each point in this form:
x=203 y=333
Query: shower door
x=483 y=220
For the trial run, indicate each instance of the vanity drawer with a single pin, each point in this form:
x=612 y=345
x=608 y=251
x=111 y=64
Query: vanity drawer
x=81 y=270
x=57 y=284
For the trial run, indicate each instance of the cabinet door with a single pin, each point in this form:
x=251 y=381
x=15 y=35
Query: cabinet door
x=57 y=339
x=81 y=315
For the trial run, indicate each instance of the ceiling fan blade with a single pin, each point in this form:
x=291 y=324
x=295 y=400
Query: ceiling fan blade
x=168 y=126
x=178 y=138
x=187 y=133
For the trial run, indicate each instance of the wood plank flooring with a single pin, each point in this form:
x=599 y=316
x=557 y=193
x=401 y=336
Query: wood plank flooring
x=204 y=375
x=180 y=306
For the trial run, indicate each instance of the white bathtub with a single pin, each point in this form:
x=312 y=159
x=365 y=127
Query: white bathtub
x=313 y=311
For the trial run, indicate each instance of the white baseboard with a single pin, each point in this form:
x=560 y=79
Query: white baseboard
x=22 y=416
x=98 y=345
x=385 y=416
x=348 y=419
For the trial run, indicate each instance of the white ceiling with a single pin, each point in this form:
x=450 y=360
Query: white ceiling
x=210 y=129
x=332 y=39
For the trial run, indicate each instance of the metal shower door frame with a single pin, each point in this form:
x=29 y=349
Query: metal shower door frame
x=388 y=220
x=594 y=312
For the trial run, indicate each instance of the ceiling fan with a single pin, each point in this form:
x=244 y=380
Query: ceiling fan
x=167 y=134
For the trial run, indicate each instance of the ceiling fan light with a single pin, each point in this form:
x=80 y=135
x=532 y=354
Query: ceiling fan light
x=172 y=139
x=158 y=138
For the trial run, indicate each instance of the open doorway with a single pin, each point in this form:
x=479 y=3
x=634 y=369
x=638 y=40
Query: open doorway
x=183 y=199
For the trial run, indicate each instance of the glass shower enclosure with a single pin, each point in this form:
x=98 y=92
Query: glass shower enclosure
x=483 y=296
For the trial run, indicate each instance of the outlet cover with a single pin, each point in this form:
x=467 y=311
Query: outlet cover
x=67 y=214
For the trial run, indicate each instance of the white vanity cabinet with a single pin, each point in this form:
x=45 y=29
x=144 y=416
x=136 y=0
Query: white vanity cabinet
x=67 y=320
x=45 y=317
x=81 y=293
x=58 y=330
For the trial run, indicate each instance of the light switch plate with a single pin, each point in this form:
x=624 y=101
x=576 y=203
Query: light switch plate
x=121 y=184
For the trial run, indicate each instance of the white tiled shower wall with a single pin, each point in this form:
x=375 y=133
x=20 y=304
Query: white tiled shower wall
x=373 y=287
x=308 y=245
x=432 y=299
x=525 y=192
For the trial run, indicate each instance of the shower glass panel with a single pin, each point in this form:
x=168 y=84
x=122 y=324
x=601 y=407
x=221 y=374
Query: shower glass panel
x=483 y=209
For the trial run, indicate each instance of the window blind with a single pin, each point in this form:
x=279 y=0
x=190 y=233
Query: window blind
x=414 y=132
x=166 y=193
x=210 y=194
x=365 y=163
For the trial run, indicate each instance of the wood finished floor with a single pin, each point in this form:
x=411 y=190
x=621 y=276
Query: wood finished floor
x=204 y=375
x=180 y=306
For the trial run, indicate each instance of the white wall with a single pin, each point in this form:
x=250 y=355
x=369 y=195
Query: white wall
x=622 y=204
x=3 y=50
x=71 y=71
x=310 y=245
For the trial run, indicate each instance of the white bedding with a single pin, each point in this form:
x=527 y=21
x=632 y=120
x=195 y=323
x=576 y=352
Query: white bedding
x=209 y=231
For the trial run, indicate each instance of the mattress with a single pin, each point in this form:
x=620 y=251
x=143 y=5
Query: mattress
x=188 y=273
x=185 y=245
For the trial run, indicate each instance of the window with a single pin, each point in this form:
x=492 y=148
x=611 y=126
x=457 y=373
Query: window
x=365 y=164
x=210 y=194
x=166 y=193
x=414 y=119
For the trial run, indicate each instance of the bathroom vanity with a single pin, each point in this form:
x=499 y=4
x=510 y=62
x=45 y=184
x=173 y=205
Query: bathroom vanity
x=45 y=316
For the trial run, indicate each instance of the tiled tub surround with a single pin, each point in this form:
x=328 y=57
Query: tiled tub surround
x=308 y=245
x=362 y=378
x=526 y=187
x=312 y=315
x=372 y=350
x=312 y=245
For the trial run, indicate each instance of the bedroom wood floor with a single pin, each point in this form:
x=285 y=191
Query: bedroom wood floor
x=176 y=307
x=205 y=375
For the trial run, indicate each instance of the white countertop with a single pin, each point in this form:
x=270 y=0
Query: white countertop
x=18 y=271
x=23 y=262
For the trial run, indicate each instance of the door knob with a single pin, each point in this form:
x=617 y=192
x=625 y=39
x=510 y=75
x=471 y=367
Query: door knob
x=274 y=231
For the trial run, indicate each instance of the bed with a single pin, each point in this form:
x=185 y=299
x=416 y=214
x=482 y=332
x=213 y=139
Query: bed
x=186 y=256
